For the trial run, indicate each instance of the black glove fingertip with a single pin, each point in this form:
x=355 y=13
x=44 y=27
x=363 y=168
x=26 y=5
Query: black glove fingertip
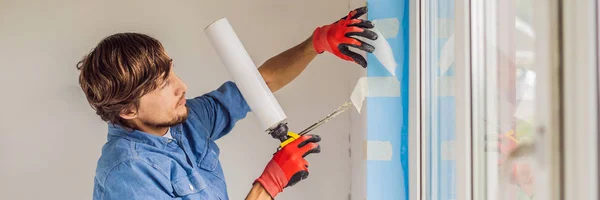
x=363 y=24
x=360 y=12
x=359 y=59
x=297 y=177
x=363 y=64
x=362 y=61
x=313 y=138
x=366 y=47
x=368 y=34
x=315 y=150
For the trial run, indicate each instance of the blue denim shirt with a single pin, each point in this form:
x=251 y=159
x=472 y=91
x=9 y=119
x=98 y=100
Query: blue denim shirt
x=138 y=165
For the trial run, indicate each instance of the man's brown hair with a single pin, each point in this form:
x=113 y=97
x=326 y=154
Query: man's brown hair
x=120 y=70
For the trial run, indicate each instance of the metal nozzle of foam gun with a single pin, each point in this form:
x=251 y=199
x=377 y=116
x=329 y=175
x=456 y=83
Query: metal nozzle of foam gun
x=280 y=132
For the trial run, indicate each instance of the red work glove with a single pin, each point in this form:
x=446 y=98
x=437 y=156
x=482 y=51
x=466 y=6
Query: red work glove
x=288 y=166
x=336 y=38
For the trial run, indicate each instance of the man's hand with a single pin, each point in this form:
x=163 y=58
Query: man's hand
x=288 y=165
x=336 y=38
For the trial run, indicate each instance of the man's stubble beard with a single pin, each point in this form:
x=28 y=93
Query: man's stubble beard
x=177 y=120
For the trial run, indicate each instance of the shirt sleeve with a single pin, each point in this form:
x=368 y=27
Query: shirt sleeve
x=220 y=109
x=135 y=180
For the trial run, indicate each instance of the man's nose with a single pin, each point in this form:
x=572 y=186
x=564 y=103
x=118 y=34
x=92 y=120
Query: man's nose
x=182 y=87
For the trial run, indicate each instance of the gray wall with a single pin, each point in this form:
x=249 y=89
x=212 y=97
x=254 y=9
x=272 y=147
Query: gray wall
x=51 y=139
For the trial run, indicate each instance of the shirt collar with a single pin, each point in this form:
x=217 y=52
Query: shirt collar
x=116 y=131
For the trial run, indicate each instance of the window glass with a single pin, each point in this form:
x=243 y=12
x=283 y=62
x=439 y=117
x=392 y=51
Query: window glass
x=510 y=80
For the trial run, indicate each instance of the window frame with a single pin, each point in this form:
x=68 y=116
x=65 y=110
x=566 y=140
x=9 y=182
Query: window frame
x=464 y=134
x=477 y=21
x=547 y=112
x=462 y=145
x=580 y=99
x=415 y=126
x=561 y=97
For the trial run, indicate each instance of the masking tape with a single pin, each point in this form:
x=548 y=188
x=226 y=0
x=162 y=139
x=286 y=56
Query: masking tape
x=383 y=51
x=447 y=55
x=524 y=27
x=379 y=150
x=387 y=86
x=388 y=27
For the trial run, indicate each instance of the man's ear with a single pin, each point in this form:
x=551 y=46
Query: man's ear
x=129 y=113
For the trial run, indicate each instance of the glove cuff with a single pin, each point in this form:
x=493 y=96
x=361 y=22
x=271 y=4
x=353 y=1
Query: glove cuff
x=273 y=179
x=320 y=39
x=273 y=191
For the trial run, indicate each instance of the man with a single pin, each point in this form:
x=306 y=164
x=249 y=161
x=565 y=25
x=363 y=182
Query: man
x=162 y=146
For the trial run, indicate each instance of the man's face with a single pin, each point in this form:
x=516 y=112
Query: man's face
x=165 y=106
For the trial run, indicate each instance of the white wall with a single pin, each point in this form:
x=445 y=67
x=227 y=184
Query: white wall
x=51 y=139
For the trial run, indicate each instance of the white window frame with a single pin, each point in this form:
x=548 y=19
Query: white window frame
x=421 y=53
x=580 y=98
x=462 y=55
x=548 y=100
x=567 y=105
x=415 y=126
x=425 y=33
x=477 y=33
